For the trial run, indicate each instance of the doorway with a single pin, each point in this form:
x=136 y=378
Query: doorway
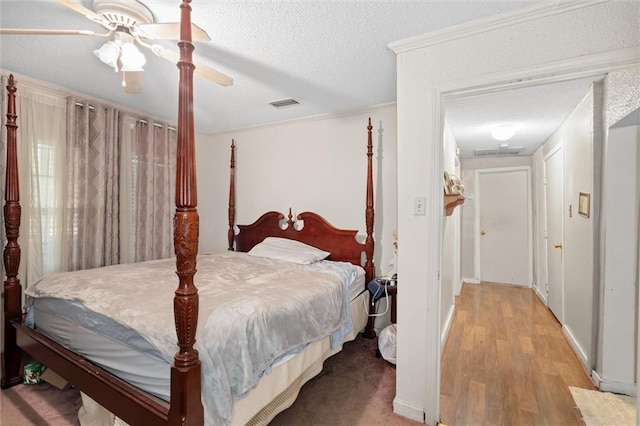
x=503 y=225
x=547 y=158
x=554 y=197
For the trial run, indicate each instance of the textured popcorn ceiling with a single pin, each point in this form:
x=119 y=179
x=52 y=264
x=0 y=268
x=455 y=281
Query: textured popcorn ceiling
x=536 y=113
x=330 y=56
x=622 y=96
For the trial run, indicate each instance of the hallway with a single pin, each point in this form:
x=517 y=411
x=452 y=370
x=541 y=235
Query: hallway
x=506 y=362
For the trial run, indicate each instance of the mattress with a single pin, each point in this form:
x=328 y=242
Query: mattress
x=137 y=362
x=276 y=391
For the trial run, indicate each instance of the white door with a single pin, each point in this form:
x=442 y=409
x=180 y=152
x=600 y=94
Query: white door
x=504 y=230
x=553 y=165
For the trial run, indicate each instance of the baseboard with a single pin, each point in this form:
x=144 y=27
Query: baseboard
x=611 y=386
x=407 y=410
x=540 y=295
x=596 y=378
x=576 y=347
x=447 y=326
x=459 y=288
x=471 y=280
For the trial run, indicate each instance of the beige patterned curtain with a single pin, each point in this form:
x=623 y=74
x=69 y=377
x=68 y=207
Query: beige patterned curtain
x=116 y=192
x=153 y=154
x=92 y=227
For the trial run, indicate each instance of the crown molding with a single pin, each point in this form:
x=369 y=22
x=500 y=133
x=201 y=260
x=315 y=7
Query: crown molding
x=491 y=23
x=595 y=65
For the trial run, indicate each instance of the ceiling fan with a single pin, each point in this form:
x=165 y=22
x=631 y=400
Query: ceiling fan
x=129 y=24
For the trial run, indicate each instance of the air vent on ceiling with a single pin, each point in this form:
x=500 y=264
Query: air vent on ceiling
x=284 y=103
x=498 y=152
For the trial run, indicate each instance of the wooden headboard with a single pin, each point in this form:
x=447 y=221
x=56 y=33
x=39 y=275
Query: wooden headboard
x=315 y=230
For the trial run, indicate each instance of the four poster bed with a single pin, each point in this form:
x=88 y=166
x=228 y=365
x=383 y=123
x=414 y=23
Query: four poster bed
x=125 y=357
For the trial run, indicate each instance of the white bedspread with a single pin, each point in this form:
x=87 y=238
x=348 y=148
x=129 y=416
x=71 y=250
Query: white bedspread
x=251 y=311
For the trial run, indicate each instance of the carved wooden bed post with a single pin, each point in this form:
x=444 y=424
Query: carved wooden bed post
x=12 y=288
x=369 y=243
x=186 y=405
x=232 y=195
x=369 y=212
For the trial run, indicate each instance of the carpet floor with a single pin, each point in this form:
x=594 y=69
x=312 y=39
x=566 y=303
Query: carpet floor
x=40 y=404
x=354 y=388
x=604 y=408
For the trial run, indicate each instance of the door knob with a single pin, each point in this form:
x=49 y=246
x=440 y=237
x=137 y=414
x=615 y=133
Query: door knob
x=557 y=245
x=483 y=232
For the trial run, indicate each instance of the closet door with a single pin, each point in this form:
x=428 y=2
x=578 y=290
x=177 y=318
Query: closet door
x=553 y=165
x=504 y=226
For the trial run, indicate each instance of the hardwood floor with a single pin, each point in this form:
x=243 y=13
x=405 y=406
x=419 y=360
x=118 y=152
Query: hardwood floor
x=506 y=362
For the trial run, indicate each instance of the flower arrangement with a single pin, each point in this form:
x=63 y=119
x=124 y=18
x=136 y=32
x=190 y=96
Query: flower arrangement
x=452 y=184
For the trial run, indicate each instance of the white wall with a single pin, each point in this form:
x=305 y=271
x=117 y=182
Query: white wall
x=578 y=246
x=469 y=166
x=541 y=42
x=621 y=106
x=314 y=164
x=576 y=135
x=617 y=372
x=539 y=225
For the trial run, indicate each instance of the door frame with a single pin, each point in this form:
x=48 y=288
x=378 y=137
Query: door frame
x=554 y=150
x=476 y=226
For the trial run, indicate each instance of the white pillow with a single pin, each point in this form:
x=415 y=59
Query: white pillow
x=288 y=250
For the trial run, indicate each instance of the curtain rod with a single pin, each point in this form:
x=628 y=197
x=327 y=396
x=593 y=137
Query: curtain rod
x=53 y=89
x=141 y=120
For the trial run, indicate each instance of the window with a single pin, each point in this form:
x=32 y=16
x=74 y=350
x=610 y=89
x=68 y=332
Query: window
x=44 y=190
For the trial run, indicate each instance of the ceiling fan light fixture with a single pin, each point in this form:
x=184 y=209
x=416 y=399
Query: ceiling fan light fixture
x=108 y=53
x=121 y=54
x=131 y=58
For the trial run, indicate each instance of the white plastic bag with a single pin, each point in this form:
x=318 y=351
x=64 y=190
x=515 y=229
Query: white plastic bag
x=387 y=343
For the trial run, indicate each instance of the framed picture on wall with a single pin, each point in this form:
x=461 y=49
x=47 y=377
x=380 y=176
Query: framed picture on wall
x=584 y=204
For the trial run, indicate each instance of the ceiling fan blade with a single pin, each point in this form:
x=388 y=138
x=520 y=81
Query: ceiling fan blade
x=213 y=75
x=170 y=31
x=132 y=82
x=204 y=71
x=83 y=11
x=27 y=31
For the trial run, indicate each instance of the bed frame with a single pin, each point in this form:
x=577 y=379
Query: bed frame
x=127 y=402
